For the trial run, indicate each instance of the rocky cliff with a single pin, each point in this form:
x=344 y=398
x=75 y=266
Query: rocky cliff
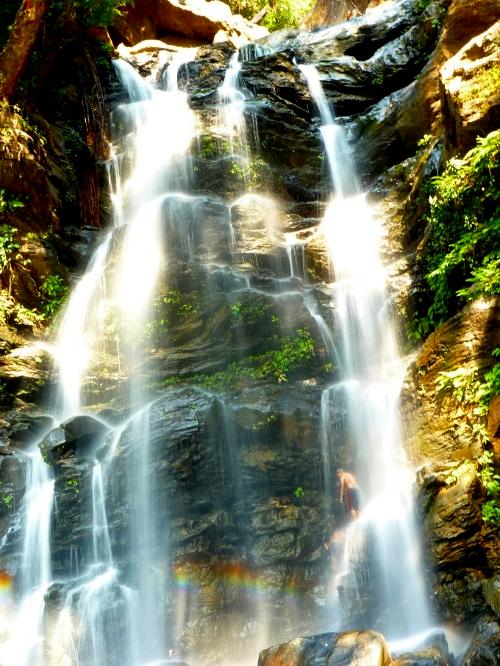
x=398 y=75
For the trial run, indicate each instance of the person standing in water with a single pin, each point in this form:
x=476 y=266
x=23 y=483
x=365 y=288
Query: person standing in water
x=350 y=491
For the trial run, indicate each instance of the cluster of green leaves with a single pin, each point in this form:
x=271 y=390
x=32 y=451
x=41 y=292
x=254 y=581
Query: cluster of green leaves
x=9 y=202
x=250 y=311
x=91 y=13
x=491 y=482
x=281 y=13
x=468 y=389
x=8 y=246
x=252 y=173
x=275 y=364
x=491 y=384
x=462 y=255
x=169 y=308
x=53 y=292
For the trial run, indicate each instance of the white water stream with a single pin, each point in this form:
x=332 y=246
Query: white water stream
x=372 y=371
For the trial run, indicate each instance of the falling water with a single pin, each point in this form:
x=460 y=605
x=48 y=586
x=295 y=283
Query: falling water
x=372 y=374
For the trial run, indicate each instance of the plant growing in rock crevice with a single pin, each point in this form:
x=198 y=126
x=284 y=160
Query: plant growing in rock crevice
x=469 y=390
x=461 y=255
x=274 y=365
x=53 y=291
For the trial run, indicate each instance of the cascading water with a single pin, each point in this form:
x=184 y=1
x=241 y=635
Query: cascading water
x=372 y=372
x=121 y=593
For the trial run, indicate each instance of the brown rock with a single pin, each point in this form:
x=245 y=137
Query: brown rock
x=470 y=91
x=421 y=110
x=494 y=424
x=460 y=548
x=439 y=424
x=331 y=12
x=491 y=591
x=197 y=23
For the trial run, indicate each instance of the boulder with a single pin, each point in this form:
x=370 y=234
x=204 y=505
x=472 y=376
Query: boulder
x=348 y=648
x=183 y=23
x=460 y=548
x=470 y=91
x=78 y=439
x=484 y=648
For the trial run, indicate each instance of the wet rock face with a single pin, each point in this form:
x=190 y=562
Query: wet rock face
x=210 y=466
x=464 y=342
x=460 y=547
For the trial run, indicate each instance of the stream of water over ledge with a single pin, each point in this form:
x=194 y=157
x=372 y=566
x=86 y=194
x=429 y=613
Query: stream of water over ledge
x=210 y=381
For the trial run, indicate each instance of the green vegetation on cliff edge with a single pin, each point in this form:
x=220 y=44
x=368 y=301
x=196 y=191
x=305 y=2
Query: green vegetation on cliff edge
x=461 y=256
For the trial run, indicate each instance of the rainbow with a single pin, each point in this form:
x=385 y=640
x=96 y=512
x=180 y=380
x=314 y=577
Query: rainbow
x=5 y=586
x=191 y=576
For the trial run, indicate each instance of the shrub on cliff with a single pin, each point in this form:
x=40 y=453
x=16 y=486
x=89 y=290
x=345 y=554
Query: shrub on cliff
x=281 y=13
x=461 y=256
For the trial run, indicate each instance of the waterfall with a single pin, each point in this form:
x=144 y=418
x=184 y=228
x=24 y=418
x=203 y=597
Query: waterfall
x=372 y=373
x=120 y=593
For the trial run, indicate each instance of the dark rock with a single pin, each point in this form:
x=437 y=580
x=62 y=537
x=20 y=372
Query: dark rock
x=79 y=438
x=484 y=649
x=26 y=429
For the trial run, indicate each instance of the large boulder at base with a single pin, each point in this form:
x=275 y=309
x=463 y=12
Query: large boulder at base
x=470 y=91
x=348 y=648
x=184 y=23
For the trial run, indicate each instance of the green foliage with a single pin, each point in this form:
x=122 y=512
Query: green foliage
x=9 y=202
x=211 y=146
x=483 y=86
x=252 y=173
x=8 y=246
x=170 y=308
x=91 y=13
x=53 y=291
x=74 y=485
x=275 y=364
x=491 y=384
x=424 y=141
x=281 y=14
x=8 y=500
x=491 y=482
x=463 y=383
x=250 y=312
x=464 y=233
